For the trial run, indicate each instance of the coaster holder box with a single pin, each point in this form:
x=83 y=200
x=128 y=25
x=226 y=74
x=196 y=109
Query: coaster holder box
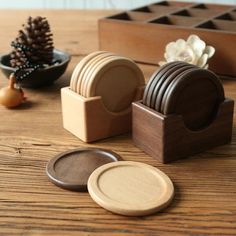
x=166 y=138
x=150 y=28
x=88 y=118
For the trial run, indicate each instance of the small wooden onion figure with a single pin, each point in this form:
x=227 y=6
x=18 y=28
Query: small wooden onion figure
x=10 y=96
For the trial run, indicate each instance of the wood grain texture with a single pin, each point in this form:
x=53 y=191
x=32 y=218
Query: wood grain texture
x=90 y=120
x=166 y=137
x=128 y=33
x=130 y=188
x=71 y=169
x=205 y=197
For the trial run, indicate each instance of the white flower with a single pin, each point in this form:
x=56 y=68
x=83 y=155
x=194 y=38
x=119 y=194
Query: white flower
x=193 y=51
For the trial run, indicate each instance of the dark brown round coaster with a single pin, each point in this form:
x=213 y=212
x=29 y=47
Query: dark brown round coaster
x=71 y=170
x=162 y=92
x=156 y=96
x=196 y=95
x=147 y=92
x=159 y=79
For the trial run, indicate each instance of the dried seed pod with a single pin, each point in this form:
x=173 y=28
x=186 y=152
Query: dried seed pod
x=37 y=36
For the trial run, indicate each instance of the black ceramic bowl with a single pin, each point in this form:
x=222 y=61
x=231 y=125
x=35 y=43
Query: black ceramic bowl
x=40 y=77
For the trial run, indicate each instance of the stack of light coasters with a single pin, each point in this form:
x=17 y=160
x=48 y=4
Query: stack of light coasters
x=122 y=187
x=98 y=102
x=183 y=112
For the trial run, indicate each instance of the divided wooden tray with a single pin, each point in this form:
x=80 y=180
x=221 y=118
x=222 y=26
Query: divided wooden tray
x=151 y=27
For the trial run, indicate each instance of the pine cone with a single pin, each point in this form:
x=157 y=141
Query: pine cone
x=36 y=37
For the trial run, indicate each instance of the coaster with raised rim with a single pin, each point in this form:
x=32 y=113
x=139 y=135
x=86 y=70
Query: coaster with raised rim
x=93 y=69
x=116 y=81
x=84 y=69
x=156 y=80
x=166 y=84
x=82 y=76
x=173 y=77
x=160 y=79
x=196 y=95
x=147 y=92
x=71 y=170
x=79 y=67
x=130 y=188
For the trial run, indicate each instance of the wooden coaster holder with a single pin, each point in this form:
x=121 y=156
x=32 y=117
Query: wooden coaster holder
x=166 y=138
x=88 y=118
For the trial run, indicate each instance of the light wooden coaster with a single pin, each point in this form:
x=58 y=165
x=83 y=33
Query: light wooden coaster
x=84 y=69
x=130 y=188
x=89 y=65
x=79 y=67
x=92 y=67
x=116 y=81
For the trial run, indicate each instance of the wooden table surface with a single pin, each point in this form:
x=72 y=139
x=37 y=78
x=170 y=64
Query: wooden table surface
x=205 y=184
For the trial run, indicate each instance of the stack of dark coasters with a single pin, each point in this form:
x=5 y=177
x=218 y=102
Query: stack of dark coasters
x=187 y=90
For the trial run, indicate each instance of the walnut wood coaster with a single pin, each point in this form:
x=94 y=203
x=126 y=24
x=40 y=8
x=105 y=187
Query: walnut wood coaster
x=205 y=186
x=71 y=169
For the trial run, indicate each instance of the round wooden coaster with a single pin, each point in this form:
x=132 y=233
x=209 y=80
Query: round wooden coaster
x=161 y=77
x=83 y=75
x=79 y=67
x=147 y=93
x=130 y=188
x=116 y=81
x=156 y=80
x=196 y=95
x=93 y=68
x=71 y=170
x=162 y=92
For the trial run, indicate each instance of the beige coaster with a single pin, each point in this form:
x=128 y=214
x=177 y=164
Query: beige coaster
x=87 y=70
x=79 y=67
x=130 y=188
x=116 y=81
x=93 y=69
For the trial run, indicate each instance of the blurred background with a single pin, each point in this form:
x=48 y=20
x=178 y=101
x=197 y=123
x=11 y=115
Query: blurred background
x=89 y=4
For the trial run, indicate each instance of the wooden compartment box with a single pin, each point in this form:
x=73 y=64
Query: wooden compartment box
x=152 y=27
x=166 y=138
x=88 y=118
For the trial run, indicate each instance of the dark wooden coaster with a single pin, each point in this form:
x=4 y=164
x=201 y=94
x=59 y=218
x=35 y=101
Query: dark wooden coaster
x=156 y=96
x=159 y=79
x=156 y=79
x=71 y=170
x=149 y=86
x=196 y=95
x=162 y=92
